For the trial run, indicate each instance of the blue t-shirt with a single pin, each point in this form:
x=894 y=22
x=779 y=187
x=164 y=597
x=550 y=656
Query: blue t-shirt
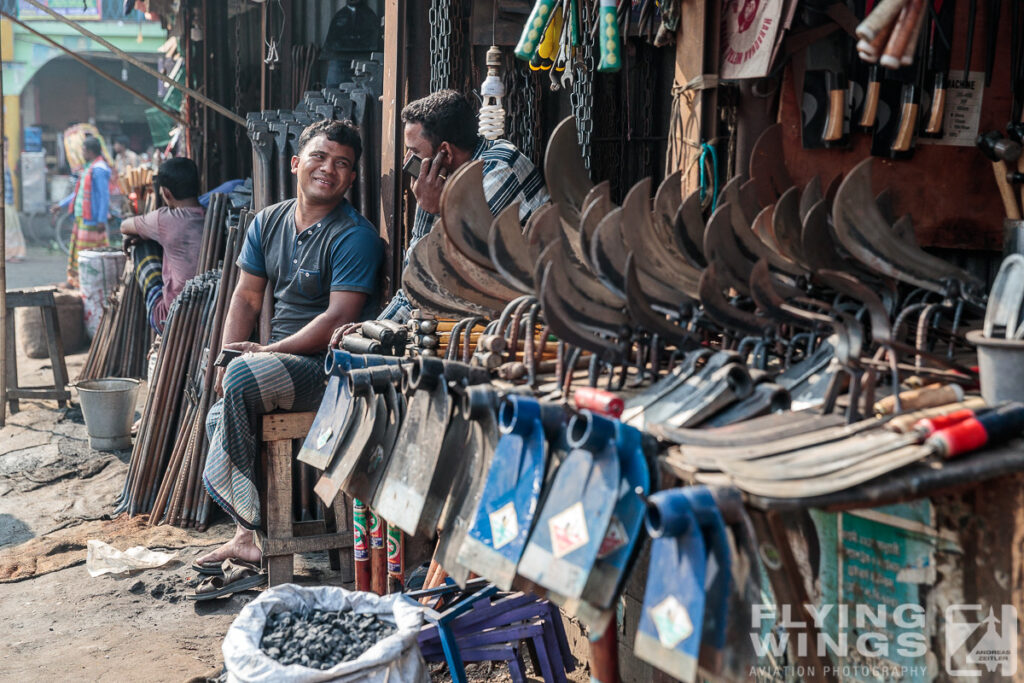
x=341 y=253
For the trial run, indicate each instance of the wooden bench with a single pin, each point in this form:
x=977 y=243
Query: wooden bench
x=58 y=391
x=284 y=536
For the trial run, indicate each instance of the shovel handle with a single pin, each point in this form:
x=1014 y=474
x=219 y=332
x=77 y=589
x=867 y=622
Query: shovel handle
x=881 y=16
x=599 y=401
x=993 y=427
x=608 y=37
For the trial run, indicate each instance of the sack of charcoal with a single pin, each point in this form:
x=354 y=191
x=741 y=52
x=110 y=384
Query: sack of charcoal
x=325 y=633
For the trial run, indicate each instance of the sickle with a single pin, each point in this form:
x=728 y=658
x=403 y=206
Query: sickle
x=483 y=279
x=720 y=246
x=465 y=215
x=509 y=251
x=567 y=178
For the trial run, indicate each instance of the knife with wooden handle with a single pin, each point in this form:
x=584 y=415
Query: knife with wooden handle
x=941 y=32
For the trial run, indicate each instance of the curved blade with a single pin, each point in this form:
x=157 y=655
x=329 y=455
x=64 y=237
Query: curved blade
x=688 y=231
x=543 y=227
x=718 y=308
x=421 y=290
x=763 y=229
x=483 y=279
x=816 y=240
x=667 y=201
x=862 y=229
x=447 y=282
x=768 y=167
x=748 y=201
x=567 y=178
x=643 y=240
x=588 y=313
x=640 y=310
x=582 y=280
x=607 y=252
x=465 y=214
x=787 y=228
x=720 y=246
x=754 y=248
x=509 y=251
x=810 y=196
x=596 y=209
x=560 y=322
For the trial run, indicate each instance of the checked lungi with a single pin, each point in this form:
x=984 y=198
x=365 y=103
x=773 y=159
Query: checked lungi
x=147 y=258
x=254 y=384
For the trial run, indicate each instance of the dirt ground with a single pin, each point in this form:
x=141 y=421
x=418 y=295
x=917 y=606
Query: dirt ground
x=62 y=624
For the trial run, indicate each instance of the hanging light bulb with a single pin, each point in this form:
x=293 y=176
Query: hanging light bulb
x=492 y=114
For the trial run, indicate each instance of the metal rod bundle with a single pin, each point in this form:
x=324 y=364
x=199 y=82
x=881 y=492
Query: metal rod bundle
x=165 y=472
x=122 y=340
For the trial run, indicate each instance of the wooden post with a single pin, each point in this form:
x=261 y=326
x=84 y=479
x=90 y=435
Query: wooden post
x=392 y=144
x=697 y=55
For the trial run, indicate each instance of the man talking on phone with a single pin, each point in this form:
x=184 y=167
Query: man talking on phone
x=440 y=137
x=319 y=258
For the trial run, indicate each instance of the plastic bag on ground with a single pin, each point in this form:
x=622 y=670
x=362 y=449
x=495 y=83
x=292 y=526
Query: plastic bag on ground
x=395 y=659
x=103 y=558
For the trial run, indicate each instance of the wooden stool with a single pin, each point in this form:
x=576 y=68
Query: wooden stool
x=284 y=537
x=43 y=300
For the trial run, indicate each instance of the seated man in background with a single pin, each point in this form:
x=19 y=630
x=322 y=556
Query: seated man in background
x=167 y=241
x=320 y=258
x=441 y=130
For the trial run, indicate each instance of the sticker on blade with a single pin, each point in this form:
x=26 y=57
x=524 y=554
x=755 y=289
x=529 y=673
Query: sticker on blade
x=568 y=530
x=672 y=622
x=324 y=437
x=614 y=538
x=504 y=525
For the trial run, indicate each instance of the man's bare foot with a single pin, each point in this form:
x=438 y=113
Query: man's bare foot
x=241 y=547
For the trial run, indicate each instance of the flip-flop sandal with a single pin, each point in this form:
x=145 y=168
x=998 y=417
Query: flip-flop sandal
x=238 y=576
x=207 y=569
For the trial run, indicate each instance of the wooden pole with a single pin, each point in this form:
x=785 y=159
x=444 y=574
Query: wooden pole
x=392 y=99
x=3 y=262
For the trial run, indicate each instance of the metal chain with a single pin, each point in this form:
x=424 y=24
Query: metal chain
x=582 y=97
x=522 y=118
x=440 y=49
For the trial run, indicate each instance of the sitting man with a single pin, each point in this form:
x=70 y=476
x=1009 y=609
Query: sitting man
x=440 y=129
x=167 y=241
x=320 y=259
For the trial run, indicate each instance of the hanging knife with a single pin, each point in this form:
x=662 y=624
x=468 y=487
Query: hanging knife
x=940 y=34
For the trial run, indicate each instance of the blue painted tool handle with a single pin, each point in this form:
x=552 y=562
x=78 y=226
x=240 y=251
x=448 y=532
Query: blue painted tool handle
x=668 y=513
x=518 y=415
x=1003 y=423
x=589 y=431
x=339 y=362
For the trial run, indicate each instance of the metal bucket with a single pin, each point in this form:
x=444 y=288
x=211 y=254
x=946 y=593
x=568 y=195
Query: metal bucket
x=108 y=406
x=1001 y=366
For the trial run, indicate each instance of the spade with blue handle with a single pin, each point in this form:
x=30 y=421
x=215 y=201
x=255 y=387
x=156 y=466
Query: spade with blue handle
x=686 y=599
x=623 y=535
x=501 y=524
x=578 y=508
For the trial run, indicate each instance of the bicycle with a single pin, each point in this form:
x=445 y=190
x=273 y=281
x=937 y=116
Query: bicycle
x=64 y=226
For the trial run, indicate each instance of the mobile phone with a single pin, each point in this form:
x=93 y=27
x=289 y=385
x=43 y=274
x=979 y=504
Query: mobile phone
x=412 y=166
x=225 y=357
